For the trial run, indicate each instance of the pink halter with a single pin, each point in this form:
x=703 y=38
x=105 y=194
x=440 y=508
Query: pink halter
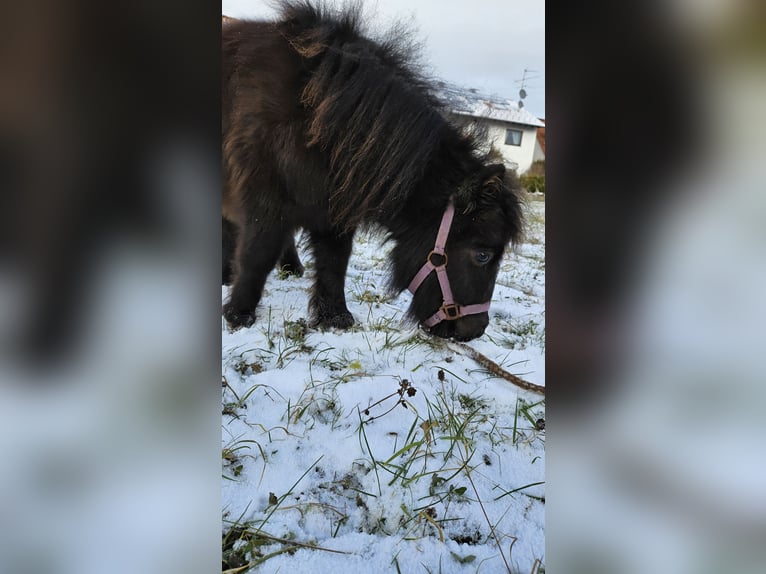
x=449 y=311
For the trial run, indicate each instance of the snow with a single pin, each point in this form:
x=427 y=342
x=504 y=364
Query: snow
x=313 y=421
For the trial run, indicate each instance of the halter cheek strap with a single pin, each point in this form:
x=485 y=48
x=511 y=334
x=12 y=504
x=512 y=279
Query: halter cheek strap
x=449 y=310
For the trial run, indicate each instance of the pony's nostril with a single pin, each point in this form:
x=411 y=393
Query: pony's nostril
x=445 y=330
x=472 y=327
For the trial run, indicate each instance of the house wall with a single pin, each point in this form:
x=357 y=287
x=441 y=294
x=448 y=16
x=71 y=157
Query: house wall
x=522 y=155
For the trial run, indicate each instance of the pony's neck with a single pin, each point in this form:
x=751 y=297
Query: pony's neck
x=423 y=209
x=449 y=168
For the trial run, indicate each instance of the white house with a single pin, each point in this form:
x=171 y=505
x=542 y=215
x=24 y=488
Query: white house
x=511 y=130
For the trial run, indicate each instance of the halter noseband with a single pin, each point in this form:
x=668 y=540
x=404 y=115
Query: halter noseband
x=449 y=311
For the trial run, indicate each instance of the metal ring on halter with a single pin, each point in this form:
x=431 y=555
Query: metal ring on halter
x=434 y=252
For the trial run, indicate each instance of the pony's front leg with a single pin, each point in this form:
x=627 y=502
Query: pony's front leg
x=257 y=252
x=229 y=245
x=328 y=300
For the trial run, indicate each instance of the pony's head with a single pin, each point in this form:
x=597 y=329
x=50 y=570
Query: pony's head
x=451 y=260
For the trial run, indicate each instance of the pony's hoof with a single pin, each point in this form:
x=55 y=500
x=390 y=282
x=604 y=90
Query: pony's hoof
x=340 y=321
x=236 y=318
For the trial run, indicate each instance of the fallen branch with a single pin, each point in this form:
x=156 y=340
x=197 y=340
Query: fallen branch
x=494 y=368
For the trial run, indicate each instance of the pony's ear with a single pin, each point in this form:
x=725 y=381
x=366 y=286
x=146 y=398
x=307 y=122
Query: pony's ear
x=491 y=177
x=485 y=186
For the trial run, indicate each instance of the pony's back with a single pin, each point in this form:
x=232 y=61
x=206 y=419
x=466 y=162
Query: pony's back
x=259 y=70
x=360 y=103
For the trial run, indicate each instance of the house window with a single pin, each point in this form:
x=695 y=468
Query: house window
x=513 y=137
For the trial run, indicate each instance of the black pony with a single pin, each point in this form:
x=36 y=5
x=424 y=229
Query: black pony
x=327 y=130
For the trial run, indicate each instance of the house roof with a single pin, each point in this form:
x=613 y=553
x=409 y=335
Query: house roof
x=469 y=102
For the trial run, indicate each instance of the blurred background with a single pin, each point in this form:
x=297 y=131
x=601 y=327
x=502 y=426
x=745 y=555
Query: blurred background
x=109 y=301
x=656 y=217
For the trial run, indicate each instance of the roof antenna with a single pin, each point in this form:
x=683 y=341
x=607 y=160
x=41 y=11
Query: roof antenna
x=523 y=82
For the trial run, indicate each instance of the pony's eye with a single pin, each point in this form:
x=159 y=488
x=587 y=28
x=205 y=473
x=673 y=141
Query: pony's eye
x=482 y=257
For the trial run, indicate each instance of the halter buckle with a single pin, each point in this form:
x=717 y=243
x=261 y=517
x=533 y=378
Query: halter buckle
x=451 y=311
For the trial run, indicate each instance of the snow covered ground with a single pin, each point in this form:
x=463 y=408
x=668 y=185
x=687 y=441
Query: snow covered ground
x=381 y=449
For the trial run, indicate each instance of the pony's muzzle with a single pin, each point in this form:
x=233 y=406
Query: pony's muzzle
x=463 y=329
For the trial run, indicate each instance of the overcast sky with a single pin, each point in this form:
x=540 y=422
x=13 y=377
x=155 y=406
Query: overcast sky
x=483 y=44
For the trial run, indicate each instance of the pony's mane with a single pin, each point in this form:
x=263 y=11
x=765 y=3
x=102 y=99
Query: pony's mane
x=370 y=110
